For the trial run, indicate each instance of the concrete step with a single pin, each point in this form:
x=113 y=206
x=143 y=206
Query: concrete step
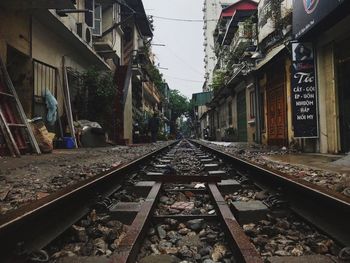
x=229 y=186
x=211 y=167
x=249 y=212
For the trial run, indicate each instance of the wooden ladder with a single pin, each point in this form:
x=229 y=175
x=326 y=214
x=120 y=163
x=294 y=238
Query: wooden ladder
x=13 y=121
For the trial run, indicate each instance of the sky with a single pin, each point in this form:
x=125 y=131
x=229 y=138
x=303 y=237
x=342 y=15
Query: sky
x=183 y=52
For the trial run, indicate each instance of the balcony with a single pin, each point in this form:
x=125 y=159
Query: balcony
x=151 y=93
x=242 y=38
x=104 y=48
x=66 y=29
x=38 y=4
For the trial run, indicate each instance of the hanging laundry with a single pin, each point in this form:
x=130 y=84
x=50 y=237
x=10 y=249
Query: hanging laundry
x=51 y=104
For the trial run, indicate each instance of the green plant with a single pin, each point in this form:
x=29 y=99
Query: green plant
x=101 y=92
x=153 y=72
x=218 y=80
x=179 y=105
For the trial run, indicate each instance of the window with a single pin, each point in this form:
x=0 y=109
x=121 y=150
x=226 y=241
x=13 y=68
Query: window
x=252 y=104
x=97 y=29
x=116 y=12
x=229 y=108
x=44 y=79
x=89 y=16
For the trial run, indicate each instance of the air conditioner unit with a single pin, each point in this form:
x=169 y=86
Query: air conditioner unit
x=85 y=33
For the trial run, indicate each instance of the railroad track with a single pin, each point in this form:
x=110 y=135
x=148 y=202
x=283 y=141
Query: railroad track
x=181 y=202
x=322 y=207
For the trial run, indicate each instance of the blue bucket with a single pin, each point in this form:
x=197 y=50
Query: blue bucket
x=69 y=142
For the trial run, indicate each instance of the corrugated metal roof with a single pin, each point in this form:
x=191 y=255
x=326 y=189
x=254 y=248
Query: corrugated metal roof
x=274 y=52
x=200 y=99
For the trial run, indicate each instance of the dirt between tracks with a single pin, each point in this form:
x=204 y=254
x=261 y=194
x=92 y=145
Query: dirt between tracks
x=32 y=177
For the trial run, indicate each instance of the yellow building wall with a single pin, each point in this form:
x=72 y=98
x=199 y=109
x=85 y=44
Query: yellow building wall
x=14 y=31
x=329 y=116
x=50 y=49
x=327 y=86
x=128 y=116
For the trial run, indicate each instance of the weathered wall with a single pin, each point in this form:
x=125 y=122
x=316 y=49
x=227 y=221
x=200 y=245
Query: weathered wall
x=15 y=45
x=327 y=85
x=49 y=48
x=14 y=31
x=329 y=116
x=128 y=116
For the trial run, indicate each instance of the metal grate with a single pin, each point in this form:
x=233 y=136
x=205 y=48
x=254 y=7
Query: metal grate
x=44 y=78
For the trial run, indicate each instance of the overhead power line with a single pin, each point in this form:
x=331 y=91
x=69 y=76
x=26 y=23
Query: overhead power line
x=187 y=80
x=183 y=20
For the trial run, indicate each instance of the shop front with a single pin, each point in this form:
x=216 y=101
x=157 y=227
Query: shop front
x=325 y=25
x=342 y=66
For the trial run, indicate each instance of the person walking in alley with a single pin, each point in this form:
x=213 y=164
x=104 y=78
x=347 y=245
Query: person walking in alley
x=153 y=126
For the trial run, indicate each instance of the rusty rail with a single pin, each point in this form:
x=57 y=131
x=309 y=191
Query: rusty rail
x=129 y=246
x=33 y=226
x=322 y=207
x=244 y=249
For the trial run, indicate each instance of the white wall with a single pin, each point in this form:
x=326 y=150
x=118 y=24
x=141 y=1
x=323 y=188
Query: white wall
x=212 y=10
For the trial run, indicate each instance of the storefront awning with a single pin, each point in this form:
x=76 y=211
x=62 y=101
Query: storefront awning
x=274 y=52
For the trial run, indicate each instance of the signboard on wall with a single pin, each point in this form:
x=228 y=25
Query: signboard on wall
x=308 y=13
x=304 y=91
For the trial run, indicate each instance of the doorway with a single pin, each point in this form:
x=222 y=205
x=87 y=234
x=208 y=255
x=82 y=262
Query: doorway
x=343 y=72
x=19 y=68
x=276 y=105
x=242 y=117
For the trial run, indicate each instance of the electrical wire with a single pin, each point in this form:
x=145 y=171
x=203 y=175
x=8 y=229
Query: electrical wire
x=181 y=59
x=184 y=20
x=186 y=80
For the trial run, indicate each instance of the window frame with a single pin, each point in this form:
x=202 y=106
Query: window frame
x=116 y=13
x=97 y=19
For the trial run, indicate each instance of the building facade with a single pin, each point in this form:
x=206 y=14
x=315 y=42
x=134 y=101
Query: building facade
x=201 y=118
x=232 y=110
x=39 y=44
x=51 y=45
x=329 y=37
x=211 y=13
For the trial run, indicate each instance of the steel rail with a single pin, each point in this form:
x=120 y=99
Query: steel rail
x=35 y=225
x=243 y=250
x=327 y=210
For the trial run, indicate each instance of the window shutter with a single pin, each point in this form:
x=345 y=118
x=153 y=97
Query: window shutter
x=89 y=16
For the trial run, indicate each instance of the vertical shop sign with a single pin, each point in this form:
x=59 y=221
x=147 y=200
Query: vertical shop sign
x=304 y=91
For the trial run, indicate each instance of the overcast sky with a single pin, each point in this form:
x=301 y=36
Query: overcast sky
x=183 y=54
